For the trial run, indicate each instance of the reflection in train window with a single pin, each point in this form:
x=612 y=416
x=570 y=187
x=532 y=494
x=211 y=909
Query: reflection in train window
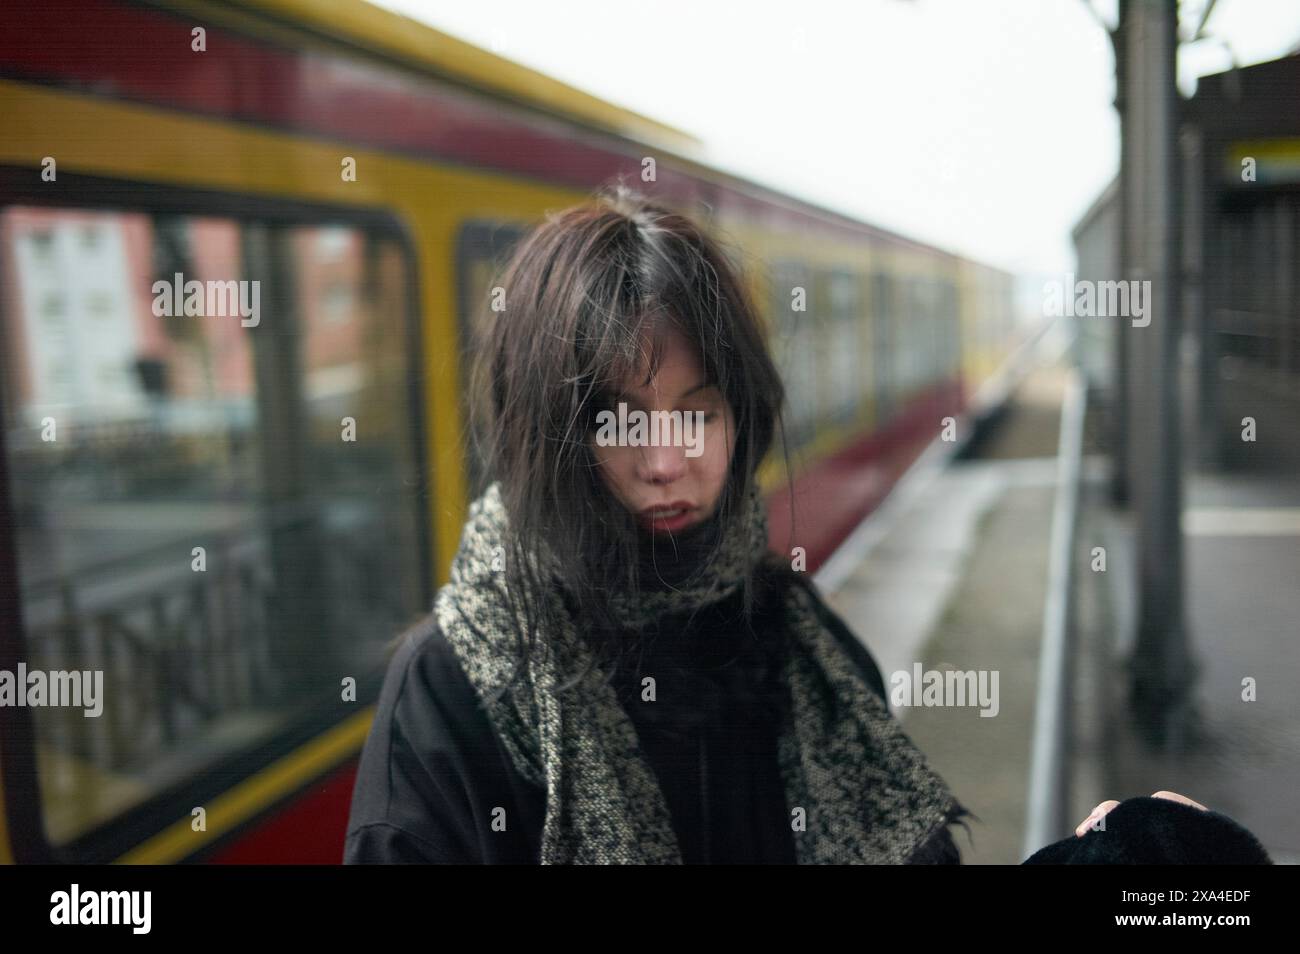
x=217 y=509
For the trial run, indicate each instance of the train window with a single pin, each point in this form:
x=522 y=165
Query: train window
x=920 y=320
x=213 y=459
x=482 y=249
x=845 y=346
x=926 y=328
x=820 y=337
x=952 y=308
x=947 y=342
x=927 y=350
x=884 y=344
x=794 y=344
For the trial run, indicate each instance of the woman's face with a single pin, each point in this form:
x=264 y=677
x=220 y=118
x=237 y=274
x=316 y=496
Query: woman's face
x=678 y=484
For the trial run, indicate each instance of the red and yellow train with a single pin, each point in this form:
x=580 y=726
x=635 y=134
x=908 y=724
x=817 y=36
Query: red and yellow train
x=230 y=515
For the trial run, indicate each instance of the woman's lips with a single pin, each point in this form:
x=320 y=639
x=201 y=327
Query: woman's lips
x=676 y=516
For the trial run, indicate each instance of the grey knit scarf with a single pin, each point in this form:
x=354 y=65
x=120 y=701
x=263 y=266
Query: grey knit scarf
x=858 y=790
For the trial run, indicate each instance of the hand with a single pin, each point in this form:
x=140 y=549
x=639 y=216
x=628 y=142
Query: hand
x=1100 y=811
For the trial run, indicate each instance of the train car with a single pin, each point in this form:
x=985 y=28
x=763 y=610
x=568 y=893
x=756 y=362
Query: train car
x=241 y=247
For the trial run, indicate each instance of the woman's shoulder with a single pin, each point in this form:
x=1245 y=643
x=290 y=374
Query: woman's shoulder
x=431 y=771
x=421 y=643
x=425 y=681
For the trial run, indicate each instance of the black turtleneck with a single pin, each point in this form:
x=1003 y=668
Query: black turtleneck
x=709 y=727
x=710 y=730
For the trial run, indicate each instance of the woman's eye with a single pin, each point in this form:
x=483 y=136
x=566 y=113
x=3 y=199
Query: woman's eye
x=710 y=417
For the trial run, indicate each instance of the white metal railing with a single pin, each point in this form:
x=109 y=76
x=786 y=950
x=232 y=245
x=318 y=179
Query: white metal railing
x=1048 y=802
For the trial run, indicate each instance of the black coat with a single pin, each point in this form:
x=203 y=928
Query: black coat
x=434 y=778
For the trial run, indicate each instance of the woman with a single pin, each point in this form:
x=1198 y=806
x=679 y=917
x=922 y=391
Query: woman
x=619 y=670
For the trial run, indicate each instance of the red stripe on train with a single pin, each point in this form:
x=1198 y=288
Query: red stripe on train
x=838 y=493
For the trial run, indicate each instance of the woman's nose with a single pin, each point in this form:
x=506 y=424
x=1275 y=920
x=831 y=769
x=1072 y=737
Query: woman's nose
x=663 y=464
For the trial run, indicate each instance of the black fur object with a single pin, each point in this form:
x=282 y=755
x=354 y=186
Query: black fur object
x=1157 y=831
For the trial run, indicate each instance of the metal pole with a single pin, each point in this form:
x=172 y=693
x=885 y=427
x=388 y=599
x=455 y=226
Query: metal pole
x=1161 y=665
x=1120 y=390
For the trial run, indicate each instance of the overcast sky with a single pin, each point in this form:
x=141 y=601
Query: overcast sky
x=982 y=126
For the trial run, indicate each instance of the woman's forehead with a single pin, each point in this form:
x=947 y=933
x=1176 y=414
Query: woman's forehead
x=666 y=358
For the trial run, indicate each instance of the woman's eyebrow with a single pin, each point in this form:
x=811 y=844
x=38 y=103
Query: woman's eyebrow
x=699 y=387
x=632 y=398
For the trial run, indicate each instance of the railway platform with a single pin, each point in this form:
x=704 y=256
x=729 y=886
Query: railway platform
x=1237 y=746
x=953 y=580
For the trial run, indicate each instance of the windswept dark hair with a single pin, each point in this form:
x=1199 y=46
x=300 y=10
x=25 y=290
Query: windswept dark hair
x=583 y=292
